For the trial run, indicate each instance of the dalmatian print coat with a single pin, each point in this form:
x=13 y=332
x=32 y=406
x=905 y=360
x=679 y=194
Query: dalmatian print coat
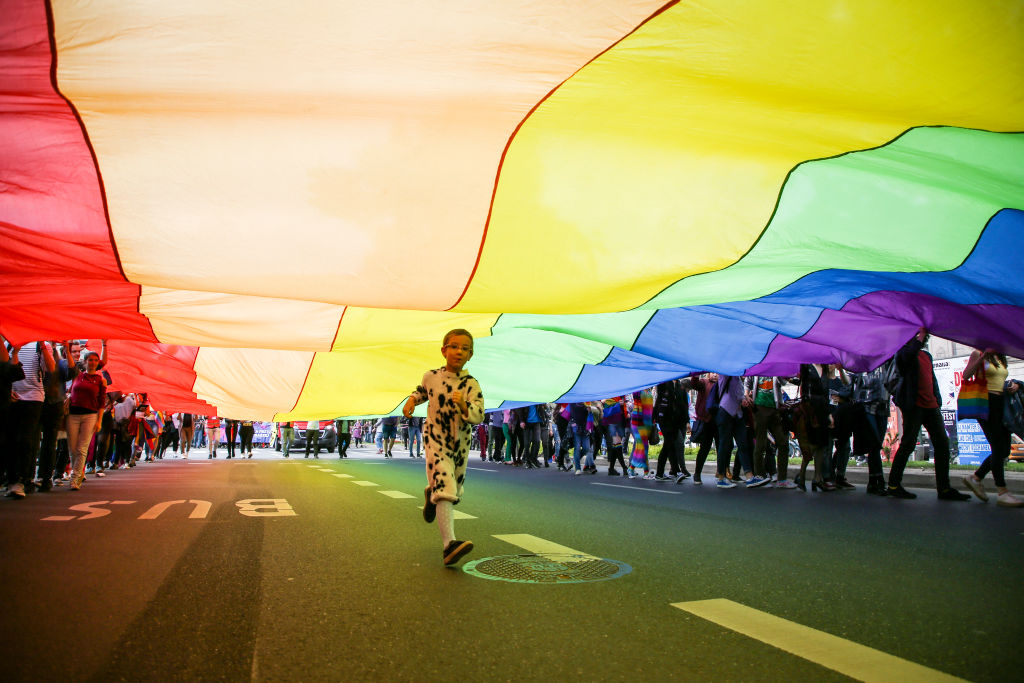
x=446 y=434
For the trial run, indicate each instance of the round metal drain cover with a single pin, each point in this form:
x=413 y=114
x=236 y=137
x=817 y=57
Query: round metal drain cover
x=547 y=568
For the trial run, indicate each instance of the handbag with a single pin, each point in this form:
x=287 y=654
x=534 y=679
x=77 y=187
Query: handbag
x=972 y=401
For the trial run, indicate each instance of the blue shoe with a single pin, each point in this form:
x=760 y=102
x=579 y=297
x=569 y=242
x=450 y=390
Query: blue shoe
x=755 y=481
x=725 y=484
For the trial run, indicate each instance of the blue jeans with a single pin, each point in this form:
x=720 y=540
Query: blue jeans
x=415 y=439
x=581 y=442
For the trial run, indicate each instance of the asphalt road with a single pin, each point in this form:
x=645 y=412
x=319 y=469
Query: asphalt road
x=345 y=581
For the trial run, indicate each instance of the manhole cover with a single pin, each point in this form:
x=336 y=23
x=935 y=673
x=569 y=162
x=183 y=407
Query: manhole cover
x=547 y=568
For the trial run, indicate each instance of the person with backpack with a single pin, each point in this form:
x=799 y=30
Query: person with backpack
x=920 y=401
x=870 y=421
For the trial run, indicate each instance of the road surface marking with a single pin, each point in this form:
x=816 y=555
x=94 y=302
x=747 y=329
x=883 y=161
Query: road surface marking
x=395 y=494
x=636 y=488
x=342 y=476
x=832 y=652
x=326 y=469
x=481 y=469
x=539 y=546
x=458 y=514
x=365 y=483
x=200 y=511
x=59 y=518
x=313 y=467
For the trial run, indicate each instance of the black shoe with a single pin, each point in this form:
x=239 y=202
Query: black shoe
x=899 y=492
x=841 y=483
x=799 y=481
x=951 y=494
x=876 y=486
x=44 y=487
x=429 y=509
x=612 y=472
x=455 y=550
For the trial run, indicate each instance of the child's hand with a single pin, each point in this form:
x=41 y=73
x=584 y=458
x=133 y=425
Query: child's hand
x=457 y=397
x=407 y=409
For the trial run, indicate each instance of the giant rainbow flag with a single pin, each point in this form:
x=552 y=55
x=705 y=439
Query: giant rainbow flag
x=276 y=210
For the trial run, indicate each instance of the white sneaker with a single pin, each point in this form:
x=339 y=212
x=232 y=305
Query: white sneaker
x=16 y=491
x=1008 y=500
x=972 y=482
x=784 y=484
x=579 y=472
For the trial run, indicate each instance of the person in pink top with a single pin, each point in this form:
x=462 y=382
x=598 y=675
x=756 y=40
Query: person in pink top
x=86 y=400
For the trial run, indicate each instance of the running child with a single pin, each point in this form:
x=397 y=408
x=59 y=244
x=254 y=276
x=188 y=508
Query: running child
x=455 y=404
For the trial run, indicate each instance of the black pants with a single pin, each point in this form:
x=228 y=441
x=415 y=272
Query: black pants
x=230 y=432
x=344 y=439
x=104 y=447
x=20 y=460
x=931 y=419
x=313 y=441
x=245 y=433
x=869 y=427
x=532 y=440
x=998 y=437
x=122 y=444
x=844 y=417
x=730 y=429
x=707 y=438
x=669 y=448
x=497 y=444
x=49 y=423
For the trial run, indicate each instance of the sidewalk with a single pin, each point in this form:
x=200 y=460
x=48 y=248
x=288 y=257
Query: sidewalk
x=912 y=477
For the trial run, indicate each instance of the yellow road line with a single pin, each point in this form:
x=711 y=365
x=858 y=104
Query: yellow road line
x=539 y=546
x=832 y=652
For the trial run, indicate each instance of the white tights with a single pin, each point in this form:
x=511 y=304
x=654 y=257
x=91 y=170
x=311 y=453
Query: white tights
x=445 y=522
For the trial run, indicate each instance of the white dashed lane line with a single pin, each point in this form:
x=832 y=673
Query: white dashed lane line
x=637 y=488
x=398 y=495
x=539 y=546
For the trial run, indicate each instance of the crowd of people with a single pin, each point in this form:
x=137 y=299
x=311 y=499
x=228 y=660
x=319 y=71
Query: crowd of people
x=59 y=423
